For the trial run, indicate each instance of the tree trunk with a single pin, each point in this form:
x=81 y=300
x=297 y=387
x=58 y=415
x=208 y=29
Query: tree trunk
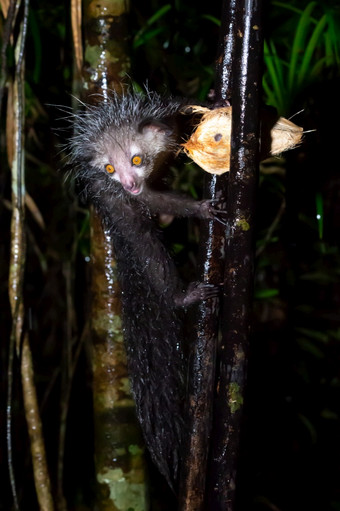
x=243 y=44
x=119 y=458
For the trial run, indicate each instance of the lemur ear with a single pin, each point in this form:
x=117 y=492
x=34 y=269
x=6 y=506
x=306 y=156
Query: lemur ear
x=154 y=126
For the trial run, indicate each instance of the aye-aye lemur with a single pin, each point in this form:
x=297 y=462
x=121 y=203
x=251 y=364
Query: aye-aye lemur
x=117 y=146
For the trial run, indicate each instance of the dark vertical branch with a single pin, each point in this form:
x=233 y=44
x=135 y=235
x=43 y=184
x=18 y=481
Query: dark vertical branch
x=202 y=367
x=223 y=86
x=203 y=353
x=236 y=322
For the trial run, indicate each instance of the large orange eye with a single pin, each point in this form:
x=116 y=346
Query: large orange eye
x=137 y=160
x=110 y=168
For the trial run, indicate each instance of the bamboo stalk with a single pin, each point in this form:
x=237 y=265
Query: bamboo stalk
x=119 y=449
x=238 y=283
x=203 y=352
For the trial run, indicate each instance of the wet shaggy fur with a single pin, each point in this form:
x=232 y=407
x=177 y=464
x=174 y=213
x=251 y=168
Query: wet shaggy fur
x=112 y=133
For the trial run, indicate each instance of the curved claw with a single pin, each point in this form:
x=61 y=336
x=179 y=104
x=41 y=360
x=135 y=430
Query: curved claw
x=215 y=215
x=197 y=292
x=211 y=213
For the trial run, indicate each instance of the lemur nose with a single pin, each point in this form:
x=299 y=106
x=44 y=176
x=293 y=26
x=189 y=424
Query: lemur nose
x=130 y=186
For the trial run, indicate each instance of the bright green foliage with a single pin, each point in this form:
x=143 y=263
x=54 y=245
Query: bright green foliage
x=291 y=68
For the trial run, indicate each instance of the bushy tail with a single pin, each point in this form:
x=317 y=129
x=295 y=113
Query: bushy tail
x=156 y=369
x=152 y=328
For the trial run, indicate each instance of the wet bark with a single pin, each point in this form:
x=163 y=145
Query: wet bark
x=224 y=363
x=244 y=29
x=202 y=361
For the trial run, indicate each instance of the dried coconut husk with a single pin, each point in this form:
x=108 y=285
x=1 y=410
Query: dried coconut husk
x=285 y=135
x=209 y=144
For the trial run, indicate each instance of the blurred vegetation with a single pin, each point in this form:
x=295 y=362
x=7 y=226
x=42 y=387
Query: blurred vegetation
x=291 y=441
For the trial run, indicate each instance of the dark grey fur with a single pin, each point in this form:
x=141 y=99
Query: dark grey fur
x=151 y=291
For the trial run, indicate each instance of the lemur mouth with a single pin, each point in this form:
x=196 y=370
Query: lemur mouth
x=136 y=190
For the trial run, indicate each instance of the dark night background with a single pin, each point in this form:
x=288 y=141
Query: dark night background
x=291 y=442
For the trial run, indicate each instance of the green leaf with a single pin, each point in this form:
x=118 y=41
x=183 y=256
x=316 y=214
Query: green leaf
x=144 y=34
x=298 y=44
x=308 y=54
x=143 y=38
x=212 y=19
x=319 y=213
x=287 y=6
x=271 y=98
x=158 y=14
x=266 y=293
x=310 y=428
x=310 y=347
x=314 y=334
x=274 y=68
x=333 y=38
x=326 y=413
x=319 y=277
x=315 y=72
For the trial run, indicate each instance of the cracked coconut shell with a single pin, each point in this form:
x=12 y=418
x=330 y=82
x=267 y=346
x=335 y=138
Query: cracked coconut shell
x=209 y=144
